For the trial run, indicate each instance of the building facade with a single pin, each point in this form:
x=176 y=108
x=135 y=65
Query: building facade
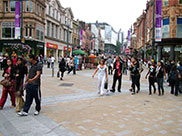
x=33 y=26
x=76 y=35
x=59 y=29
x=170 y=47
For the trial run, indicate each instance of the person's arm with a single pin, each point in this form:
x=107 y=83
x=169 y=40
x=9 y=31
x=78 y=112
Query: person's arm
x=35 y=77
x=165 y=74
x=147 y=74
x=106 y=74
x=95 y=72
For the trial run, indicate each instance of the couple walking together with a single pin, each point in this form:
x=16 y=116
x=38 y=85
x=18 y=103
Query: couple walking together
x=103 y=76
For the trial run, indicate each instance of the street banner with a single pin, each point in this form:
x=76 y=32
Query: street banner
x=81 y=37
x=158 y=27
x=129 y=38
x=17 y=20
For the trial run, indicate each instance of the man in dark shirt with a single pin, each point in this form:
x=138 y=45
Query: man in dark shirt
x=32 y=85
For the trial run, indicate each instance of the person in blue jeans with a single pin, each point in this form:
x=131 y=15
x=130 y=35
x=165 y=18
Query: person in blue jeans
x=32 y=86
x=161 y=72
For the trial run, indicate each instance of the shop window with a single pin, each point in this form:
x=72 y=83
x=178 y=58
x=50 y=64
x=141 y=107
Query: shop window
x=8 y=30
x=27 y=6
x=5 y=6
x=165 y=2
x=179 y=27
x=12 y=6
x=165 y=28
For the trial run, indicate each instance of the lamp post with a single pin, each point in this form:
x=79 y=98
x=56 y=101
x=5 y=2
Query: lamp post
x=68 y=26
x=153 y=35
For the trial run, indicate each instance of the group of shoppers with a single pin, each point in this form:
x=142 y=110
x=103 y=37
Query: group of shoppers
x=14 y=85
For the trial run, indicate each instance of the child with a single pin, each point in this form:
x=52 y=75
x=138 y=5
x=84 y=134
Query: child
x=102 y=76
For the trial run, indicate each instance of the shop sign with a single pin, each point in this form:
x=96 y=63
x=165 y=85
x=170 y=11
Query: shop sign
x=40 y=46
x=178 y=49
x=11 y=44
x=167 y=49
x=65 y=49
x=53 y=46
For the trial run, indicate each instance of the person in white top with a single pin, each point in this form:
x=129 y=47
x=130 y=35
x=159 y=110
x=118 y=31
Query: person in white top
x=52 y=61
x=102 y=76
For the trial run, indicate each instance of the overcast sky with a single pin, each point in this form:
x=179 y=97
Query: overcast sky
x=118 y=13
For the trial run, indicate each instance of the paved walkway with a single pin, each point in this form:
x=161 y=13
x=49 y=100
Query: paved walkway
x=73 y=108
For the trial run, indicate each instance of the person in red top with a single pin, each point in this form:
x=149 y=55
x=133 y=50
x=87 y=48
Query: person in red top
x=14 y=60
x=117 y=74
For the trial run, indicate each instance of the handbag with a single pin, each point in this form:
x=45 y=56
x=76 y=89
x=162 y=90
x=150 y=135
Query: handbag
x=5 y=83
x=106 y=85
x=58 y=74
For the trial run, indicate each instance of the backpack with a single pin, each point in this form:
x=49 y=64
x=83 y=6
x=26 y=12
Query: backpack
x=173 y=76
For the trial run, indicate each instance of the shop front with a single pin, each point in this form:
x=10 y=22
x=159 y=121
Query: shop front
x=14 y=45
x=65 y=51
x=52 y=49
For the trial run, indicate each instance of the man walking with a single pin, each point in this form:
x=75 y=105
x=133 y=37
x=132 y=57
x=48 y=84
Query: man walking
x=32 y=85
x=117 y=74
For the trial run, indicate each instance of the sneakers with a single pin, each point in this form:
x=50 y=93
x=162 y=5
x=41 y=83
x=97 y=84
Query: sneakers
x=22 y=114
x=36 y=113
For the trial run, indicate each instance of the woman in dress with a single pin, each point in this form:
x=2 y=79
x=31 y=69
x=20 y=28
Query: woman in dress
x=102 y=76
x=9 y=74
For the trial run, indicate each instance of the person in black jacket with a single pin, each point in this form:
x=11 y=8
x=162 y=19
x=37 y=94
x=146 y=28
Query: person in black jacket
x=62 y=68
x=117 y=74
x=161 y=72
x=21 y=71
x=135 y=75
x=9 y=74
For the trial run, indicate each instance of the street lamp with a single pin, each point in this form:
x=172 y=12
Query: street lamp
x=153 y=35
x=68 y=26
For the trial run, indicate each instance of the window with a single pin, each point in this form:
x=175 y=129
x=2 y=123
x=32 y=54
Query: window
x=60 y=34
x=41 y=36
x=26 y=30
x=165 y=2
x=49 y=10
x=37 y=9
x=179 y=27
x=64 y=35
x=37 y=34
x=60 y=19
x=56 y=32
x=52 y=30
x=53 y=12
x=48 y=28
x=40 y=11
x=30 y=31
x=12 y=6
x=8 y=30
x=27 y=6
x=165 y=28
x=5 y=6
x=40 y=32
x=31 y=6
x=180 y=1
x=57 y=15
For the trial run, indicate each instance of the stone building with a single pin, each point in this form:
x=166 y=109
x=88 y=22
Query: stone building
x=33 y=25
x=76 y=35
x=170 y=48
x=59 y=22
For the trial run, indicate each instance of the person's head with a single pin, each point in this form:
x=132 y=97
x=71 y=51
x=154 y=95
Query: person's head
x=117 y=58
x=32 y=58
x=9 y=62
x=160 y=64
x=62 y=59
x=19 y=61
x=134 y=59
x=101 y=62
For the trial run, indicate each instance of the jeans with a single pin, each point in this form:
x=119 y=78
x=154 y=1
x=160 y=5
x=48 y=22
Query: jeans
x=135 y=82
x=160 y=85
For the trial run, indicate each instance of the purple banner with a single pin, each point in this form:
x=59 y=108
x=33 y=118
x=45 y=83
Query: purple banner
x=158 y=26
x=17 y=19
x=129 y=37
x=81 y=36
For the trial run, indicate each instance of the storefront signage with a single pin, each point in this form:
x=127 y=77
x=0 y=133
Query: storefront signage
x=158 y=20
x=65 y=49
x=17 y=20
x=40 y=46
x=53 y=46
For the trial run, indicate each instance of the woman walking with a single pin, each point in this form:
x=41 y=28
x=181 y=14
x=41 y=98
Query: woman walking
x=21 y=71
x=62 y=68
x=152 y=77
x=161 y=72
x=102 y=76
x=9 y=74
x=135 y=75
x=174 y=77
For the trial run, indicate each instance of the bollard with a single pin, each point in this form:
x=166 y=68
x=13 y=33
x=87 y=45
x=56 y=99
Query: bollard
x=52 y=71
